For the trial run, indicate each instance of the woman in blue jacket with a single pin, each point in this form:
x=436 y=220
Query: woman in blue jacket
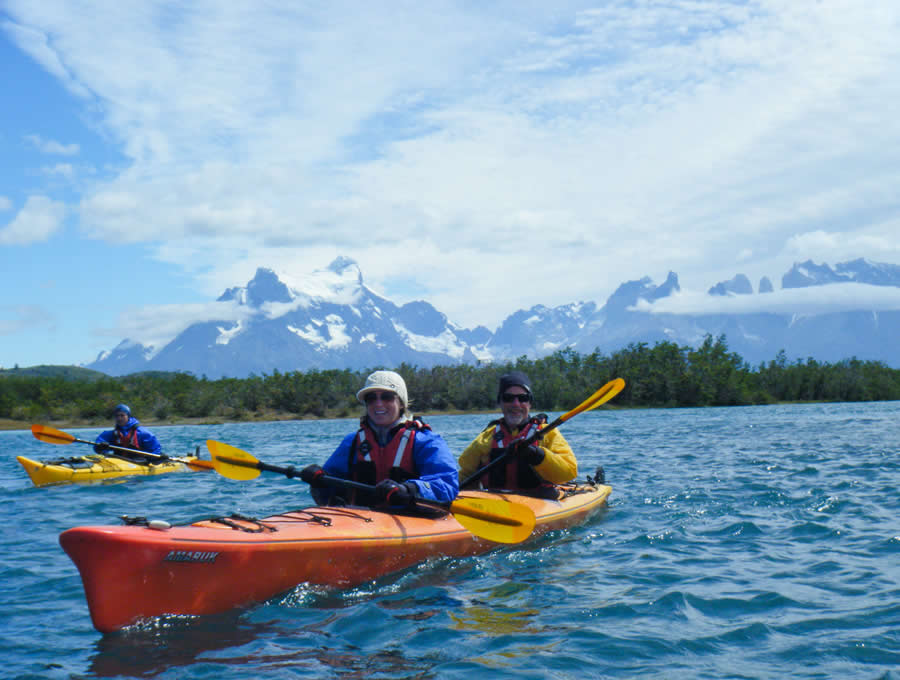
x=393 y=451
x=129 y=434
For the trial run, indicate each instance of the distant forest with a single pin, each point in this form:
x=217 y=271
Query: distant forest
x=664 y=375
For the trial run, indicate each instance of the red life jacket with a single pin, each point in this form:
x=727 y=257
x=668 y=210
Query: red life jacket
x=129 y=439
x=371 y=463
x=515 y=474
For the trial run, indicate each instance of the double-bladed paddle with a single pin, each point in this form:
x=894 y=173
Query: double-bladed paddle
x=54 y=436
x=601 y=396
x=494 y=519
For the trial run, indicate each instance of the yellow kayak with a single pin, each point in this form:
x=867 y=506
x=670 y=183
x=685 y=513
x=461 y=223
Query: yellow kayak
x=95 y=468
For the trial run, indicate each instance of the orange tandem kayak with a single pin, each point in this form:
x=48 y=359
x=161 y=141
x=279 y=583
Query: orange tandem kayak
x=137 y=572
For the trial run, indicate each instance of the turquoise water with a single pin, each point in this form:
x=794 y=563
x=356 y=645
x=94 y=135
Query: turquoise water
x=757 y=542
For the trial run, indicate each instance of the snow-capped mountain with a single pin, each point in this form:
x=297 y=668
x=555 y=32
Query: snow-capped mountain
x=859 y=271
x=335 y=321
x=332 y=320
x=739 y=285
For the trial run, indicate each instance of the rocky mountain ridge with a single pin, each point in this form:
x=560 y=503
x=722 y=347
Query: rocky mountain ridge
x=333 y=320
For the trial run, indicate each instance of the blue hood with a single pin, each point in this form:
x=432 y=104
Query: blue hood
x=132 y=422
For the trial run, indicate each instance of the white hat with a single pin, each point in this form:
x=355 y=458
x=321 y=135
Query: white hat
x=384 y=380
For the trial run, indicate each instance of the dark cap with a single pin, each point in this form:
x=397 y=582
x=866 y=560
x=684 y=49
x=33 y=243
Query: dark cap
x=514 y=378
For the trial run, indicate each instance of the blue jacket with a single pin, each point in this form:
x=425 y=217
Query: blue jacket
x=438 y=478
x=146 y=440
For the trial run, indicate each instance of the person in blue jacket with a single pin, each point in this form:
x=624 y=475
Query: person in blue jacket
x=128 y=433
x=391 y=451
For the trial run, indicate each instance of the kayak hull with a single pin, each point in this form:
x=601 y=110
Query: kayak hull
x=135 y=572
x=92 y=469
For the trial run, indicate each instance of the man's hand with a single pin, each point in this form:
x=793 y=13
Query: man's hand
x=530 y=453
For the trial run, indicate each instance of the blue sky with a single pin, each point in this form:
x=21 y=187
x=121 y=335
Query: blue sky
x=485 y=159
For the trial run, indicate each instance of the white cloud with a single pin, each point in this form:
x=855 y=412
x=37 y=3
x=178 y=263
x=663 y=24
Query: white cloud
x=37 y=221
x=829 y=246
x=835 y=297
x=60 y=169
x=17 y=318
x=5 y=203
x=35 y=43
x=156 y=325
x=579 y=143
x=49 y=146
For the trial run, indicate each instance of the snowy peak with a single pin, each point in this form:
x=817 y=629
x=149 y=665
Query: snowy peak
x=330 y=319
x=669 y=286
x=346 y=267
x=630 y=292
x=421 y=318
x=236 y=293
x=739 y=285
x=266 y=287
x=339 y=283
x=808 y=273
x=805 y=274
x=873 y=273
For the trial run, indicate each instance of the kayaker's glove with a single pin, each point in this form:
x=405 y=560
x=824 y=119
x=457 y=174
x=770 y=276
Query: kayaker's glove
x=393 y=493
x=530 y=453
x=101 y=448
x=312 y=475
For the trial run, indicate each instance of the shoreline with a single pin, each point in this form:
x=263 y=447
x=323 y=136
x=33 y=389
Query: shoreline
x=7 y=424
x=11 y=425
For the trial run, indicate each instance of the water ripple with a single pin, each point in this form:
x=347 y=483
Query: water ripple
x=756 y=542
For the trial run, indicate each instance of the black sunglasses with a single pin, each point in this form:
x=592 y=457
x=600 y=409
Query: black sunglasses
x=383 y=396
x=510 y=398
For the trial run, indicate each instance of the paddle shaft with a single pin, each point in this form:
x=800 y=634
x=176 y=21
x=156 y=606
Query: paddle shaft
x=454 y=507
x=421 y=502
x=124 y=449
x=291 y=472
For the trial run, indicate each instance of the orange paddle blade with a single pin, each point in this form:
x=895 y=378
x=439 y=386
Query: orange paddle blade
x=51 y=435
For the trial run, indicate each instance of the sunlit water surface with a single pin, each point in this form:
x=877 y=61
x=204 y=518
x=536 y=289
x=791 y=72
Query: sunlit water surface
x=758 y=542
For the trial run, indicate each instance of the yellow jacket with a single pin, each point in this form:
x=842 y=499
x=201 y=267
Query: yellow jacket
x=559 y=464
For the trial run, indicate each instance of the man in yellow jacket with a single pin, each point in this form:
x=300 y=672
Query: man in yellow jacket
x=531 y=468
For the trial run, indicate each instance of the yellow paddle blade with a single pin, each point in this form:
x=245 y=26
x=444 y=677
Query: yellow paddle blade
x=232 y=462
x=612 y=389
x=601 y=396
x=494 y=518
x=51 y=435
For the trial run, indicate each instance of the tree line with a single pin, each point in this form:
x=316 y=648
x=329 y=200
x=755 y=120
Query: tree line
x=664 y=375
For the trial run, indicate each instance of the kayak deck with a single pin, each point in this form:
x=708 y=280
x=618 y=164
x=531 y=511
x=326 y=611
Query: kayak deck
x=95 y=468
x=134 y=572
